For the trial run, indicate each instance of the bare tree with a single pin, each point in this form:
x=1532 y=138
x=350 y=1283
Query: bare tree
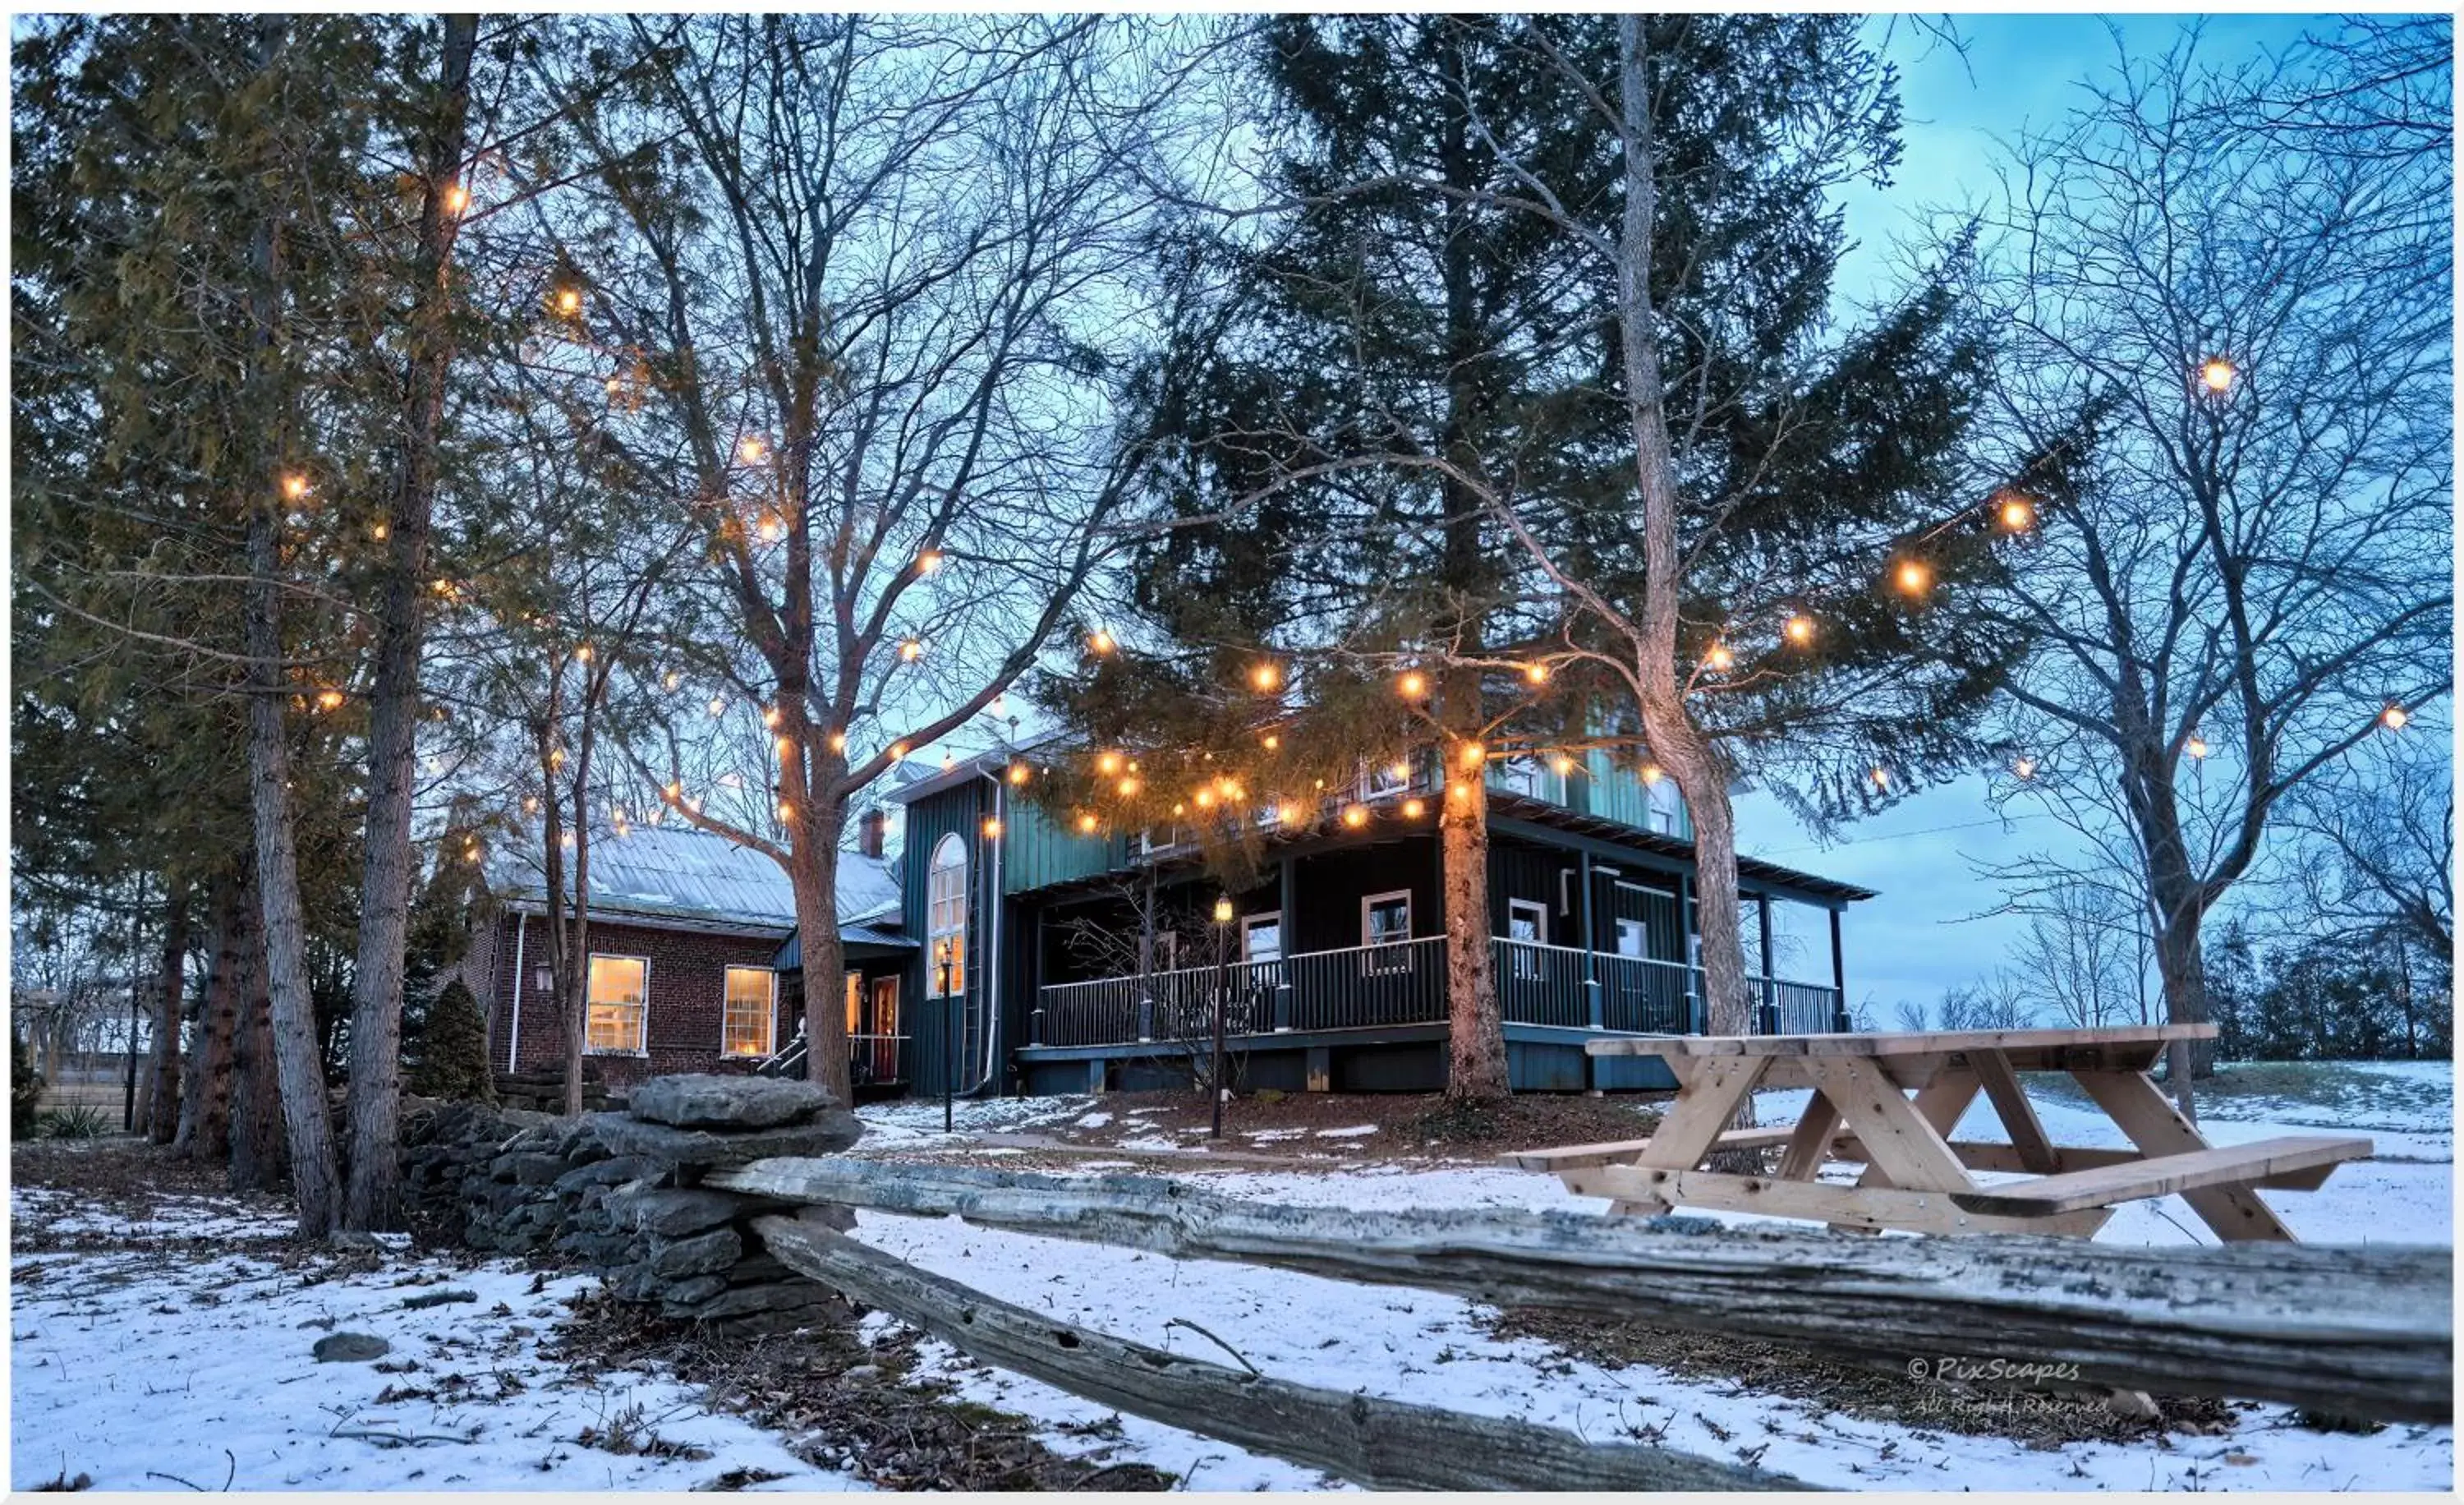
x=879 y=283
x=2240 y=346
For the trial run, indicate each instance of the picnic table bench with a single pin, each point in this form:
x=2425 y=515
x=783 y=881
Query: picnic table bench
x=1891 y=1101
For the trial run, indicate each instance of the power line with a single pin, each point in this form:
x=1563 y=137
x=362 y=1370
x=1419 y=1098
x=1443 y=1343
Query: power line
x=1895 y=835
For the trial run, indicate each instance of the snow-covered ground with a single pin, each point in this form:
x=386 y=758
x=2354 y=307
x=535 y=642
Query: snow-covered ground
x=1436 y=1350
x=143 y=1369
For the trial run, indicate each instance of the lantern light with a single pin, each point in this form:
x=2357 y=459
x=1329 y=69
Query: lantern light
x=568 y=301
x=1401 y=770
x=1017 y=773
x=949 y=759
x=1224 y=910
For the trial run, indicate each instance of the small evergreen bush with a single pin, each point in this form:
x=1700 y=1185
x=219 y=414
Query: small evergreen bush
x=450 y=1051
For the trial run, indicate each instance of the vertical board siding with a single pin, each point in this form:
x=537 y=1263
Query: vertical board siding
x=1043 y=852
x=1329 y=886
x=961 y=810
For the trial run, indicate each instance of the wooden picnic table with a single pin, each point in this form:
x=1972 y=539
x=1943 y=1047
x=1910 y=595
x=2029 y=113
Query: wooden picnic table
x=1891 y=1101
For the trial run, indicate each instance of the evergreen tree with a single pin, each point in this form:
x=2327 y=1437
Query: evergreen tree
x=448 y=1055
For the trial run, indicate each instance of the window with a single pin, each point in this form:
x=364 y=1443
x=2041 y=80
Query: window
x=1630 y=938
x=620 y=1005
x=1262 y=938
x=1665 y=807
x=855 y=1004
x=945 y=918
x=1386 y=918
x=1526 y=921
x=1518 y=775
x=751 y=1011
x=1385 y=779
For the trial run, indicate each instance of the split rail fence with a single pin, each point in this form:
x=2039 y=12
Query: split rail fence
x=2363 y=1332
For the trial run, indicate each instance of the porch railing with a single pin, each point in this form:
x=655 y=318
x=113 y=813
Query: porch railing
x=1364 y=987
x=877 y=1058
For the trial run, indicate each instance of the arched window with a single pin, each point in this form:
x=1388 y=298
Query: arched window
x=945 y=917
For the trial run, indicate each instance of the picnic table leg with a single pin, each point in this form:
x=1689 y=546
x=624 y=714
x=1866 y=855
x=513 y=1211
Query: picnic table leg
x=1811 y=1144
x=2140 y=1108
x=2018 y=1115
x=1708 y=1090
x=1905 y=1143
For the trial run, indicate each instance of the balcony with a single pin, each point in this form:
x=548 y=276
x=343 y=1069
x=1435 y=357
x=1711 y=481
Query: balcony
x=1372 y=987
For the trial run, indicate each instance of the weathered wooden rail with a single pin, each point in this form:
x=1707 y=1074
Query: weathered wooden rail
x=1378 y=1443
x=2364 y=1331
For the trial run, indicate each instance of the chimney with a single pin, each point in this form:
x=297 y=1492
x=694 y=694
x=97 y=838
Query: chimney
x=871 y=831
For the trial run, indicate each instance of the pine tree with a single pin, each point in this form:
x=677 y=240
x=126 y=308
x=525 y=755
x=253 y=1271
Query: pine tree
x=450 y=1048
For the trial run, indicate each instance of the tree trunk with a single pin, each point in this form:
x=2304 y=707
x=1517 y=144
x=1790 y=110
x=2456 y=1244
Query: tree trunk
x=1475 y=1057
x=372 y=1198
x=205 y=1094
x=2178 y=965
x=162 y=1070
x=316 y=1179
x=257 y=1124
x=573 y=1002
x=813 y=871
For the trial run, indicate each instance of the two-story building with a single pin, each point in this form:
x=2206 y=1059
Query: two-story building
x=1048 y=959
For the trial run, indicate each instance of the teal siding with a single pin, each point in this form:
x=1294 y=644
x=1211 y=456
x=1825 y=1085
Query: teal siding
x=1041 y=852
x=960 y=811
x=1619 y=794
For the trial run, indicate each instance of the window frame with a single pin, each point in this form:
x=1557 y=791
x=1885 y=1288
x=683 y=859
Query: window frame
x=1372 y=784
x=1369 y=901
x=1538 y=910
x=1619 y=926
x=769 y=1013
x=936 y=933
x=642 y=1030
x=1248 y=923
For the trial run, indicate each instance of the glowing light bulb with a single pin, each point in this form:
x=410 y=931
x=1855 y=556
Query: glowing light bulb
x=838 y=742
x=2217 y=374
x=992 y=827
x=675 y=790
x=1799 y=629
x=530 y=804
x=1129 y=787
x=1563 y=764
x=379 y=532
x=1401 y=770
x=786 y=811
x=458 y=198
x=1913 y=577
x=670 y=680
x=769 y=716
x=2394 y=717
x=2024 y=767
x=750 y=448
x=1473 y=755
x=772 y=527
x=898 y=752
x=1536 y=673
x=1652 y=773
x=1108 y=764
x=1288 y=814
x=1223 y=910
x=1270 y=741
x=568 y=301
x=1267 y=677
x=1881 y=778
x=1204 y=799
x=1086 y=823
x=582 y=653
x=1017 y=773
x=718 y=706
x=2196 y=746
x=949 y=761
x=329 y=700
x=2017 y=514
x=787 y=748
x=911 y=651
x=1414 y=809
x=1355 y=816
x=928 y=562
x=1412 y=685
x=1100 y=642
x=295 y=486
x=1721 y=659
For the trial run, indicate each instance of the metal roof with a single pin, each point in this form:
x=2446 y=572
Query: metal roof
x=679 y=874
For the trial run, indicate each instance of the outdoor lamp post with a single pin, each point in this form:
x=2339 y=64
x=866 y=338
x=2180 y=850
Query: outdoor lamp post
x=1222 y=998
x=949 y=1037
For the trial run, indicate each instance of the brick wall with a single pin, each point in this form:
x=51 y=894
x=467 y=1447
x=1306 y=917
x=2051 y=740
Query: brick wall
x=687 y=988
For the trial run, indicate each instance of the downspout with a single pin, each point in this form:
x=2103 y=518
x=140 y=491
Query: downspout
x=992 y=974
x=514 y=1043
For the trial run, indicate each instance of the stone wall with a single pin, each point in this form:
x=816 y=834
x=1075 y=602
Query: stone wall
x=620 y=1191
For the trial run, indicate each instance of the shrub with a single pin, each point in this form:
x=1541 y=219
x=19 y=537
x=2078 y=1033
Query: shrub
x=80 y=1121
x=450 y=1051
x=25 y=1088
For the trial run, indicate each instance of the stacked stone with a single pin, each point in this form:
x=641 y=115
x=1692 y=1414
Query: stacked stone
x=543 y=1090
x=690 y=1249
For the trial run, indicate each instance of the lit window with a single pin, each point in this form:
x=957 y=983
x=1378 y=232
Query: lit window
x=1262 y=938
x=855 y=1004
x=945 y=920
x=752 y=1010
x=620 y=1005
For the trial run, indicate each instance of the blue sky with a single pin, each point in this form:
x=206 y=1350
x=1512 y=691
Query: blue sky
x=1922 y=934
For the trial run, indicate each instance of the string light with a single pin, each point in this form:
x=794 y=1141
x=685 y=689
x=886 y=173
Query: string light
x=675 y=788
x=1100 y=642
x=329 y=700
x=530 y=804
x=1205 y=798
x=1536 y=673
x=1799 y=629
x=1913 y=577
x=992 y=827
x=949 y=761
x=911 y=651
x=1414 y=809
x=769 y=716
x=555 y=758
x=2196 y=746
x=295 y=486
x=582 y=653
x=1563 y=765
x=2017 y=513
x=1721 y=659
x=898 y=752
x=1473 y=755
x=772 y=529
x=1001 y=706
x=717 y=707
x=1017 y=773
x=1881 y=777
x=1268 y=677
x=786 y=811
x=1288 y=814
x=2217 y=374
x=458 y=198
x=1086 y=823
x=2024 y=767
x=1401 y=770
x=2394 y=717
x=1108 y=764
x=1355 y=816
x=567 y=840
x=928 y=562
x=568 y=301
x=787 y=748
x=378 y=532
x=1270 y=741
x=750 y=448
x=1652 y=774
x=838 y=742
x=1412 y=685
x=670 y=680
x=1129 y=787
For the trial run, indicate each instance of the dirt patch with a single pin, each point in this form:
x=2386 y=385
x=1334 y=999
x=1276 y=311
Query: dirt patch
x=1327 y=1129
x=2040 y=1418
x=841 y=1402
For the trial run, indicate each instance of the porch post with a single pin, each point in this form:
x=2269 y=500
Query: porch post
x=1838 y=978
x=1771 y=973
x=1281 y=1022
x=1035 y=984
x=1594 y=1000
x=1685 y=944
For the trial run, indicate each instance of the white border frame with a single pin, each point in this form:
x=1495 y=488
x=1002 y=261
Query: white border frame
x=643 y=1051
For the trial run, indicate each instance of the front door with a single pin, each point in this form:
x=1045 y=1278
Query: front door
x=882 y=1046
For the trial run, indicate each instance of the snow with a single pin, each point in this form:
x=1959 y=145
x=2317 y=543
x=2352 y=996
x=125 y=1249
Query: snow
x=145 y=1369
x=1436 y=1350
